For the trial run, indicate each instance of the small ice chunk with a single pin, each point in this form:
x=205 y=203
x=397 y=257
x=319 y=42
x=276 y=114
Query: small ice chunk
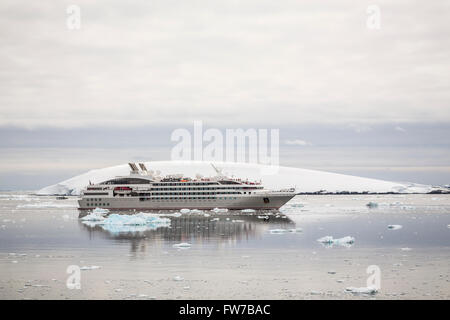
x=185 y=210
x=219 y=210
x=196 y=211
x=237 y=220
x=178 y=278
x=405 y=249
x=395 y=226
x=248 y=210
x=263 y=217
x=372 y=204
x=362 y=290
x=278 y=231
x=345 y=241
x=215 y=219
x=182 y=245
x=206 y=215
x=90 y=267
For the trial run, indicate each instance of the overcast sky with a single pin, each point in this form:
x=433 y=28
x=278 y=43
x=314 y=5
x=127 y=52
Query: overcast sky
x=346 y=98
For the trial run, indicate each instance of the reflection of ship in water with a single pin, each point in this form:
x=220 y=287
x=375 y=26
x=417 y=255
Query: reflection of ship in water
x=198 y=228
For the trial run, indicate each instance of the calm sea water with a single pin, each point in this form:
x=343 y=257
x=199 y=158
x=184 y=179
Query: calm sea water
x=38 y=234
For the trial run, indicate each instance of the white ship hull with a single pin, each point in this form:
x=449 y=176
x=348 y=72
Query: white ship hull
x=257 y=202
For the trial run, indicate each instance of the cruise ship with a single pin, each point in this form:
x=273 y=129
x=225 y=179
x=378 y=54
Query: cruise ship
x=144 y=190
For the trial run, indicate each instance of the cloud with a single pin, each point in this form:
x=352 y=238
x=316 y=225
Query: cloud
x=223 y=62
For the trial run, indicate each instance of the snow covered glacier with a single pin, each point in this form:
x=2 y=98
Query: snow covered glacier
x=303 y=180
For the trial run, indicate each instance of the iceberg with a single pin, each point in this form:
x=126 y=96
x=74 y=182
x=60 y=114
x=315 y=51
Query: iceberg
x=121 y=223
x=286 y=177
x=362 y=290
x=330 y=241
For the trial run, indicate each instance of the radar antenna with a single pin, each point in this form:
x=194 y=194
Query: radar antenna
x=218 y=171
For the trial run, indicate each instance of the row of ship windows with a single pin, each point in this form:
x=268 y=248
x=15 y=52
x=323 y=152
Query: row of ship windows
x=209 y=188
x=169 y=198
x=186 y=184
x=192 y=193
x=188 y=198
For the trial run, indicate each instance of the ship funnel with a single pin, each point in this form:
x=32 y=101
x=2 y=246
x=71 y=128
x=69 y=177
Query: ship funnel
x=134 y=168
x=143 y=167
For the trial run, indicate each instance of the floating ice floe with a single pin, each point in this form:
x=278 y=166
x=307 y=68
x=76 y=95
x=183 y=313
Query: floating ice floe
x=120 y=223
x=405 y=249
x=362 y=290
x=237 y=221
x=297 y=205
x=372 y=205
x=278 y=231
x=219 y=210
x=90 y=268
x=248 y=210
x=196 y=211
x=215 y=219
x=93 y=217
x=263 y=217
x=182 y=245
x=330 y=241
x=283 y=231
x=185 y=210
x=395 y=226
x=100 y=211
